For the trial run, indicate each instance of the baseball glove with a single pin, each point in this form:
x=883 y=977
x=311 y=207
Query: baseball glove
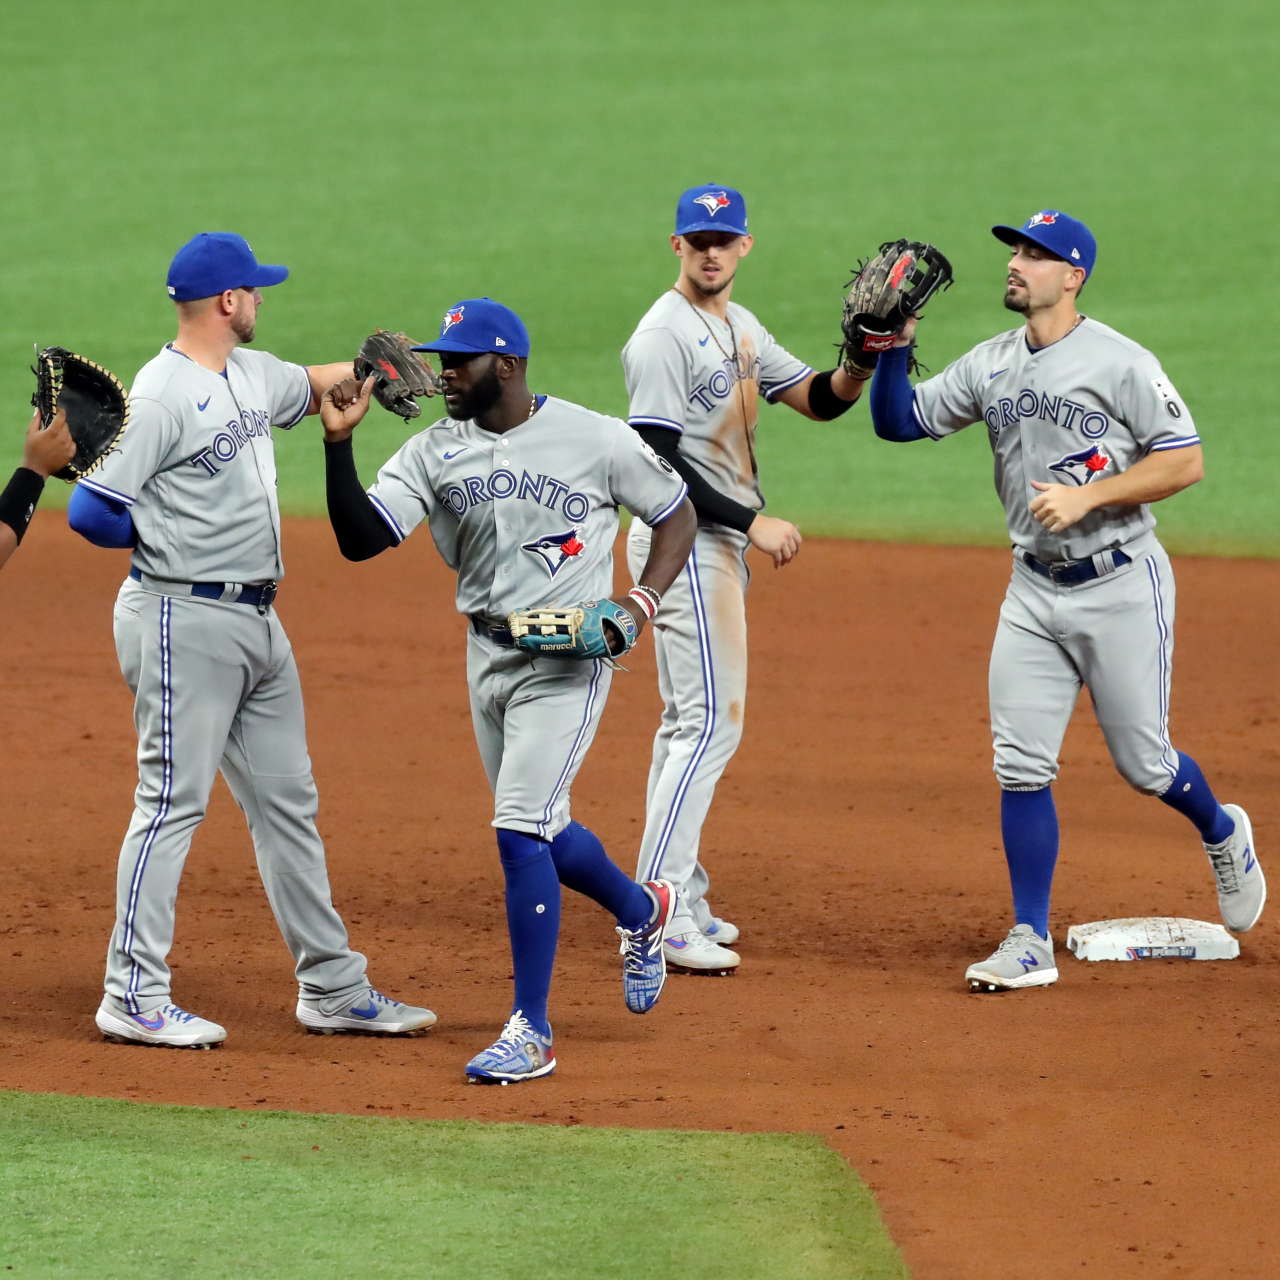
x=93 y=399
x=400 y=371
x=579 y=631
x=887 y=291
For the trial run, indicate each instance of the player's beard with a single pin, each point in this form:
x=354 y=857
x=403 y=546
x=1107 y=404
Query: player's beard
x=1013 y=302
x=486 y=392
x=710 y=291
x=242 y=325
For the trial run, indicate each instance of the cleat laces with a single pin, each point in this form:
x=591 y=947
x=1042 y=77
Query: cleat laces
x=1225 y=870
x=517 y=1030
x=1017 y=942
x=634 y=949
x=177 y=1015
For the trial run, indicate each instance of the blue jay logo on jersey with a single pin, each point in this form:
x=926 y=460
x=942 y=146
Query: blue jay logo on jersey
x=1081 y=467
x=555 y=549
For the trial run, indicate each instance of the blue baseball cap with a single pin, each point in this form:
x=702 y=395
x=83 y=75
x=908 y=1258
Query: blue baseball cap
x=1054 y=230
x=215 y=261
x=476 y=325
x=711 y=208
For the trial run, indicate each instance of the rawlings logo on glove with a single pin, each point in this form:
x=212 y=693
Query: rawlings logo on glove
x=593 y=629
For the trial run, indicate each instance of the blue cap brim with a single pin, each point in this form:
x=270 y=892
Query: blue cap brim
x=266 y=276
x=1011 y=236
x=452 y=344
x=712 y=226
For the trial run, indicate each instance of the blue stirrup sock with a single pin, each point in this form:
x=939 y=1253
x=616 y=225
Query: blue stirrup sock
x=584 y=867
x=1189 y=794
x=533 y=921
x=1029 y=824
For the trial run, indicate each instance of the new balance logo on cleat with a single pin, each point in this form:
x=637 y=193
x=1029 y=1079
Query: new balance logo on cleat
x=1028 y=962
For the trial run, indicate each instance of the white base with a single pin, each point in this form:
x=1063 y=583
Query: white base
x=1151 y=938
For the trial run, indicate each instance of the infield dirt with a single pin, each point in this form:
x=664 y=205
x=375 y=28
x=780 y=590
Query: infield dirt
x=1123 y=1122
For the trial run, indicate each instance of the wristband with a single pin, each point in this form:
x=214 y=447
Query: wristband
x=647 y=598
x=18 y=501
x=823 y=402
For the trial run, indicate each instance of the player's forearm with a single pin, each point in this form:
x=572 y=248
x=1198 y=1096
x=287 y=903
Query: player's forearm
x=8 y=543
x=823 y=397
x=17 y=505
x=708 y=502
x=892 y=396
x=1158 y=475
x=323 y=376
x=361 y=531
x=669 y=548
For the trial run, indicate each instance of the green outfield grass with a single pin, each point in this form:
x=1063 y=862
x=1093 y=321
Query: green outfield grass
x=104 y=1189
x=533 y=152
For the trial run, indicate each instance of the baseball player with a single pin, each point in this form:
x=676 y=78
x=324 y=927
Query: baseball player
x=1087 y=432
x=696 y=367
x=522 y=495
x=192 y=489
x=43 y=453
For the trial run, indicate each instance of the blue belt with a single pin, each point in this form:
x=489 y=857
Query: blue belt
x=1071 y=573
x=500 y=635
x=260 y=596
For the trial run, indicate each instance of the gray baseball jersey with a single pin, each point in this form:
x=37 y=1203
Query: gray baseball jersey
x=1087 y=407
x=528 y=516
x=197 y=465
x=681 y=374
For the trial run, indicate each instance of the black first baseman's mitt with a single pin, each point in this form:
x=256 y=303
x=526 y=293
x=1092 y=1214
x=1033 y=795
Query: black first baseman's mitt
x=400 y=371
x=883 y=296
x=93 y=400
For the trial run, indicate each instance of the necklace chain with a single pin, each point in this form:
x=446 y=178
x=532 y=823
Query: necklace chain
x=737 y=369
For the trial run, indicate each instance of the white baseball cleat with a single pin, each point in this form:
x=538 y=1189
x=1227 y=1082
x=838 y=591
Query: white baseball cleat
x=167 y=1027
x=368 y=1012
x=1023 y=959
x=721 y=932
x=696 y=953
x=1242 y=888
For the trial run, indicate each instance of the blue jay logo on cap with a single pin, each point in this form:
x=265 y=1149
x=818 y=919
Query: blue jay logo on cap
x=1047 y=218
x=713 y=202
x=456 y=316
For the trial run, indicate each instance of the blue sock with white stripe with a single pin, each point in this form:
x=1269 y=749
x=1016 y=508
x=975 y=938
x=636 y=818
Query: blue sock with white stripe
x=584 y=867
x=1190 y=795
x=533 y=921
x=1029 y=824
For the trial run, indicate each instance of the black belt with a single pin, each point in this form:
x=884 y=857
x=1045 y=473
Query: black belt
x=1071 y=573
x=496 y=632
x=259 y=596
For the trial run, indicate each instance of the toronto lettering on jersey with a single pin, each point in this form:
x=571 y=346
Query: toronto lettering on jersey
x=721 y=382
x=1007 y=411
x=545 y=490
x=226 y=444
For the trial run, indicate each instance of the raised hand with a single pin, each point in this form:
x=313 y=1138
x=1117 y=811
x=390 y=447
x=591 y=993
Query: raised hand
x=342 y=407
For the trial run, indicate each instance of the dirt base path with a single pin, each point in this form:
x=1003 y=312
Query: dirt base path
x=1123 y=1122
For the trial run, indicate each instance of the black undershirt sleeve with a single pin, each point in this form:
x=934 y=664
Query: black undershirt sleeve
x=362 y=533
x=710 y=504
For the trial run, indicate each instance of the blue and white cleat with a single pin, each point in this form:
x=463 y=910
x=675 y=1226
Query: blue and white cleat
x=1242 y=888
x=368 y=1013
x=167 y=1027
x=644 y=965
x=1023 y=959
x=519 y=1053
